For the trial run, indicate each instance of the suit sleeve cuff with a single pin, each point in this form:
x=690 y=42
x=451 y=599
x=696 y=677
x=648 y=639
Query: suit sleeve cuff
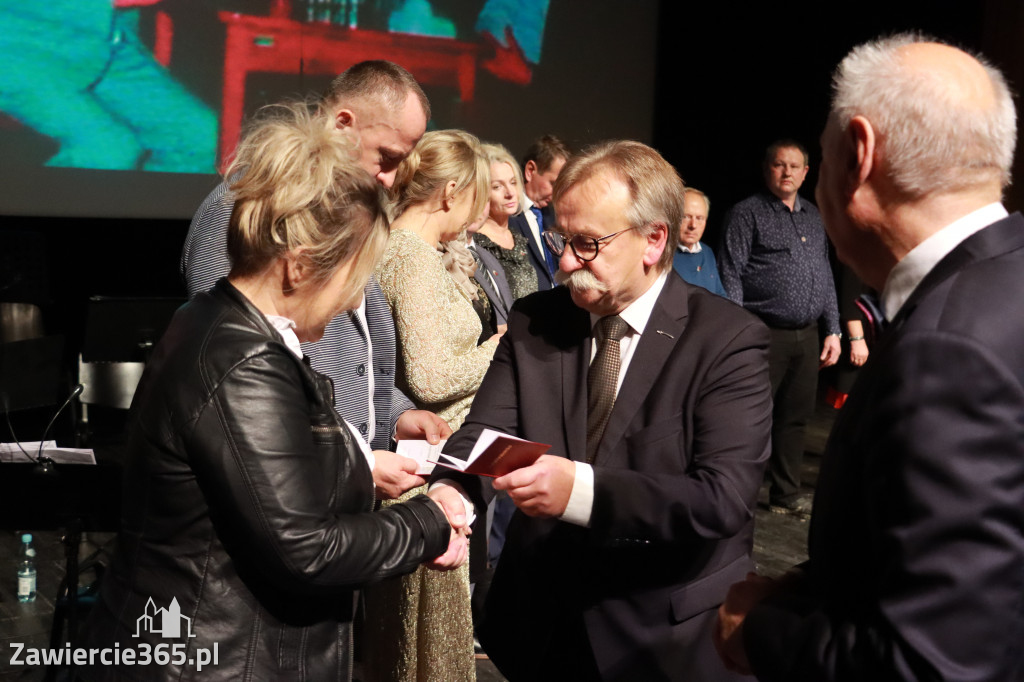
x=399 y=404
x=581 y=499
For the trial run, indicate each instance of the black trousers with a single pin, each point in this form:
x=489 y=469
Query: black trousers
x=793 y=370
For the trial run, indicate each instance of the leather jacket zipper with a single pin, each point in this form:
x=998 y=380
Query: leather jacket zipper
x=329 y=428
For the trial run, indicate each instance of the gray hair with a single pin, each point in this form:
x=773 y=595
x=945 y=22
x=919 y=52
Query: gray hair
x=933 y=141
x=654 y=186
x=696 y=192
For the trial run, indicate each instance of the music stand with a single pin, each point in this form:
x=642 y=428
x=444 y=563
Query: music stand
x=68 y=497
x=125 y=329
x=30 y=372
x=120 y=334
x=119 y=331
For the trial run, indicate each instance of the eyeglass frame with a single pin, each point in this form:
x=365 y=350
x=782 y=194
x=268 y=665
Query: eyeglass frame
x=598 y=242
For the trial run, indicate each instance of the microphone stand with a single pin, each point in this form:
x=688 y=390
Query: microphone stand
x=45 y=465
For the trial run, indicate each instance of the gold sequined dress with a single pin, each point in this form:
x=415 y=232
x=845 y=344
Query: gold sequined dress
x=419 y=627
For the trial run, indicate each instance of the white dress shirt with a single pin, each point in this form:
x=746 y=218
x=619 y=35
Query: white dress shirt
x=636 y=315
x=581 y=499
x=360 y=318
x=909 y=272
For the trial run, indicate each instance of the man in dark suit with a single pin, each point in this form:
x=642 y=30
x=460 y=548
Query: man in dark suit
x=628 y=532
x=541 y=165
x=916 y=566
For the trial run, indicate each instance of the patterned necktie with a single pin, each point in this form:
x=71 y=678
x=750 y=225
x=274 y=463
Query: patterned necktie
x=603 y=379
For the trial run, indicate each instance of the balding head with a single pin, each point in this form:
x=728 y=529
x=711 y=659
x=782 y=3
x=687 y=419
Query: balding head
x=944 y=120
x=921 y=134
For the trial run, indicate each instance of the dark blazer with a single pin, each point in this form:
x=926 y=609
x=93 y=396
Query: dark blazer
x=916 y=566
x=545 y=280
x=675 y=484
x=492 y=275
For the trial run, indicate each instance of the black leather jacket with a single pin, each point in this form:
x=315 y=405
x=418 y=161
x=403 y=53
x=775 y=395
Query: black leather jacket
x=247 y=501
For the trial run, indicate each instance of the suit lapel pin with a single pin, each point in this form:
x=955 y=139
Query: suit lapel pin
x=665 y=334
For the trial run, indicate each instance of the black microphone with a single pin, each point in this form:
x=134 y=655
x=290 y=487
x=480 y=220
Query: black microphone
x=45 y=464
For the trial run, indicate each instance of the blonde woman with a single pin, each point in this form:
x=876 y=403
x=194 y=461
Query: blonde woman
x=439 y=189
x=247 y=498
x=506 y=200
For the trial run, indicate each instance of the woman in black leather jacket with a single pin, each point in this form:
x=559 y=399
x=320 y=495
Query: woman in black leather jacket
x=247 y=509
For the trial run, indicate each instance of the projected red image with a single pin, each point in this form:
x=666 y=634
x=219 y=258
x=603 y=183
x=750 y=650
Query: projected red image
x=134 y=107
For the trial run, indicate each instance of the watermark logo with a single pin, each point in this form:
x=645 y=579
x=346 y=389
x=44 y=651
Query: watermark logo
x=164 y=622
x=168 y=622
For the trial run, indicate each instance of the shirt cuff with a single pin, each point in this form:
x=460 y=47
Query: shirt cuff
x=470 y=508
x=581 y=499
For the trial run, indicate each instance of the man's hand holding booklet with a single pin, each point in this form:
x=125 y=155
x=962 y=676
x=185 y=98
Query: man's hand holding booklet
x=494 y=454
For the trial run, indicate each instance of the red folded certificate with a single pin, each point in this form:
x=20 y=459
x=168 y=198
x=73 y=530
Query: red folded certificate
x=496 y=454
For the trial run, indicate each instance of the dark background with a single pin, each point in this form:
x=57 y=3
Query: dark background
x=728 y=80
x=732 y=79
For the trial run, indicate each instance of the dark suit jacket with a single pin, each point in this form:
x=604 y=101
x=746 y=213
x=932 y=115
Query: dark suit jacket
x=675 y=484
x=518 y=222
x=492 y=275
x=916 y=564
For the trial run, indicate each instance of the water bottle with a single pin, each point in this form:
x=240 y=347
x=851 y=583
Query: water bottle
x=26 y=570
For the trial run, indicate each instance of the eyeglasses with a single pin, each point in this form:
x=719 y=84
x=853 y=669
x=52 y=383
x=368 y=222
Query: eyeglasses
x=586 y=248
